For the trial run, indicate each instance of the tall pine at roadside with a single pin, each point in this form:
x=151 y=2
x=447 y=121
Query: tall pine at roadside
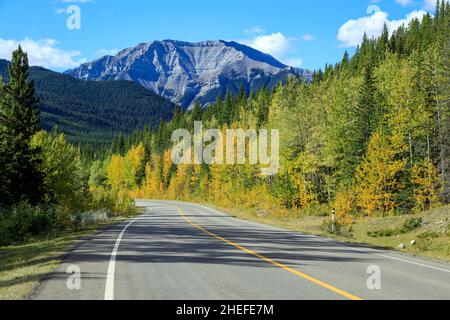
x=19 y=122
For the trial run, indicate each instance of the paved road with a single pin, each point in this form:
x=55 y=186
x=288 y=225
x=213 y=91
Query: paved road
x=183 y=251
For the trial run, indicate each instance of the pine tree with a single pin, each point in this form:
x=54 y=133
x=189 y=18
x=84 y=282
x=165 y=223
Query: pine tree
x=365 y=119
x=197 y=113
x=228 y=109
x=345 y=60
x=4 y=166
x=121 y=145
x=382 y=44
x=219 y=108
x=19 y=122
x=141 y=172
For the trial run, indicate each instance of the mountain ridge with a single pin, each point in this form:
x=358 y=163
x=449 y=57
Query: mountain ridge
x=186 y=72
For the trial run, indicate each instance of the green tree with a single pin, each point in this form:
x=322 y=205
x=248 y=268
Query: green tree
x=141 y=172
x=19 y=122
x=366 y=115
x=61 y=165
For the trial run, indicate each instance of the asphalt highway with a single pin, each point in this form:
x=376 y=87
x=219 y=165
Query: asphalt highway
x=183 y=251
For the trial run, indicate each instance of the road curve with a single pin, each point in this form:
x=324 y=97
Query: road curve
x=183 y=251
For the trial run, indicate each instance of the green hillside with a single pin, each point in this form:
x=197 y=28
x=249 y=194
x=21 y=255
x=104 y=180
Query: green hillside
x=94 y=112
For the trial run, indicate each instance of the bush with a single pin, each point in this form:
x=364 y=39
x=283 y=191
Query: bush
x=409 y=225
x=23 y=221
x=339 y=228
x=382 y=233
x=428 y=235
x=91 y=217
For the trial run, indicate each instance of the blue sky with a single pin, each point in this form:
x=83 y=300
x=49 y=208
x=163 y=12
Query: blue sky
x=297 y=32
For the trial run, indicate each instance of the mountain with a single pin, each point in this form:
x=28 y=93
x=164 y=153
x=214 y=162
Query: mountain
x=90 y=111
x=186 y=72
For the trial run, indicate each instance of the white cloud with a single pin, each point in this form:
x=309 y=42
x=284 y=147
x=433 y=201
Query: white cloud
x=404 y=3
x=352 y=32
x=254 y=30
x=373 y=8
x=42 y=53
x=275 y=44
x=294 y=62
x=106 y=52
x=308 y=37
x=430 y=5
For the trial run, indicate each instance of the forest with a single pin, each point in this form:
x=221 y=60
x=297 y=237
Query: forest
x=368 y=136
x=90 y=112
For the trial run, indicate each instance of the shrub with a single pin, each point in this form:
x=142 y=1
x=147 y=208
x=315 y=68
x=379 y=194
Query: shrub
x=382 y=233
x=96 y=216
x=428 y=235
x=23 y=221
x=411 y=224
x=339 y=228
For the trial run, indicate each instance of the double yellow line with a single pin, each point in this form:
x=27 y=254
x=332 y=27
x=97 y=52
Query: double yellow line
x=275 y=263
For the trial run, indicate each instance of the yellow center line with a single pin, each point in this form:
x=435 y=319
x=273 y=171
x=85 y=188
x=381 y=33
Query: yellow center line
x=275 y=263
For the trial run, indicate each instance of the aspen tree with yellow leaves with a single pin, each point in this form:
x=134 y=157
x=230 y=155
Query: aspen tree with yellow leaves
x=377 y=181
x=425 y=177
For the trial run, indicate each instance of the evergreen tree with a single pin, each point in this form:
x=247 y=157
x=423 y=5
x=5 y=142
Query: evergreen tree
x=228 y=107
x=121 y=144
x=4 y=163
x=365 y=116
x=345 y=60
x=19 y=122
x=196 y=113
x=141 y=172
x=382 y=44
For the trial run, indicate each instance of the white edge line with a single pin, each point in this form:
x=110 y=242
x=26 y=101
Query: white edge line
x=109 y=288
x=322 y=239
x=389 y=257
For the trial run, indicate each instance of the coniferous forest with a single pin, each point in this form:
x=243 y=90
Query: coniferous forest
x=368 y=136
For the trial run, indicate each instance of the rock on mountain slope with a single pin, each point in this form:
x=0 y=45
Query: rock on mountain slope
x=187 y=72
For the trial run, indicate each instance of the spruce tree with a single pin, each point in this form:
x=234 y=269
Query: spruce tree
x=382 y=44
x=19 y=122
x=366 y=115
x=197 y=113
x=345 y=60
x=4 y=163
x=228 y=109
x=141 y=172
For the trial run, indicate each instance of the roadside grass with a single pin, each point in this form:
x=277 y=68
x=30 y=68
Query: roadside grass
x=432 y=237
x=23 y=266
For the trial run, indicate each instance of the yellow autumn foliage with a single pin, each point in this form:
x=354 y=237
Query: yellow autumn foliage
x=377 y=178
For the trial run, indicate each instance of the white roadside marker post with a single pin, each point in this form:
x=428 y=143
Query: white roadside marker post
x=333 y=220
